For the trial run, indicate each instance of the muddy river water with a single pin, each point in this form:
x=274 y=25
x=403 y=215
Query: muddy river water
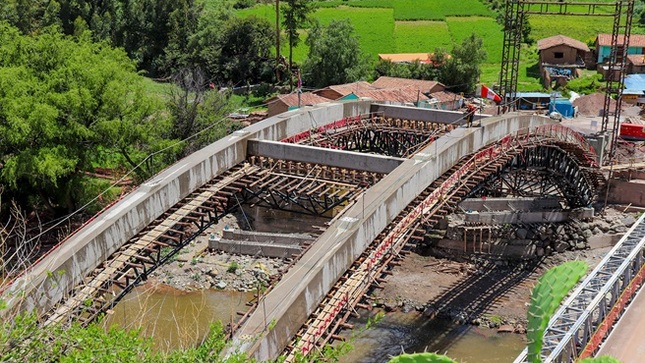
x=176 y=319
x=411 y=332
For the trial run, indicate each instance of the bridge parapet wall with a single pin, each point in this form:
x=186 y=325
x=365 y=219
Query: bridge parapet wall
x=301 y=290
x=48 y=281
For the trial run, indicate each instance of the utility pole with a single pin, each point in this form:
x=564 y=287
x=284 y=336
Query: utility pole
x=277 y=40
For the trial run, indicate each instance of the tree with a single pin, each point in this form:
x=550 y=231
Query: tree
x=196 y=107
x=245 y=50
x=461 y=71
x=67 y=104
x=334 y=55
x=29 y=15
x=295 y=16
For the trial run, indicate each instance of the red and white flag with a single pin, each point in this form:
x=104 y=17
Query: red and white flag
x=488 y=93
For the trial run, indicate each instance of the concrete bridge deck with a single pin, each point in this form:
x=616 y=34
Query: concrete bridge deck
x=301 y=290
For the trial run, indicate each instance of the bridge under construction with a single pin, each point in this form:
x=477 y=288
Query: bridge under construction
x=382 y=175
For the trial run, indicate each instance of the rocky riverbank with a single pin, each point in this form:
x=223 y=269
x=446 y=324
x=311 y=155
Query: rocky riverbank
x=495 y=293
x=197 y=268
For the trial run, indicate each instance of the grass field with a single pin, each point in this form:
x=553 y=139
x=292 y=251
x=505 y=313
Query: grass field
x=421 y=36
x=419 y=26
x=438 y=9
x=418 y=9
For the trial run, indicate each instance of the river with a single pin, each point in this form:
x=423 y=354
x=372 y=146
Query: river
x=412 y=332
x=173 y=318
x=176 y=319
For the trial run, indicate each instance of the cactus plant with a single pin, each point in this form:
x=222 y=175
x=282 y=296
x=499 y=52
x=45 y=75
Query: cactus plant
x=603 y=359
x=421 y=358
x=551 y=288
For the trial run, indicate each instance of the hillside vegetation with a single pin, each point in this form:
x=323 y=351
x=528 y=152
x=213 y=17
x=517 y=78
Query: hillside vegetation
x=414 y=26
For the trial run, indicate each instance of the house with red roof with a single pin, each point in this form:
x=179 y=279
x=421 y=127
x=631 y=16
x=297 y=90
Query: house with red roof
x=603 y=45
x=338 y=91
x=425 y=86
x=635 y=63
x=283 y=103
x=561 y=59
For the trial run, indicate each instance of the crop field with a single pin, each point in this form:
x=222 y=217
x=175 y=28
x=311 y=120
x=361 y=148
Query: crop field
x=418 y=9
x=421 y=36
x=375 y=27
x=418 y=26
x=486 y=28
x=585 y=29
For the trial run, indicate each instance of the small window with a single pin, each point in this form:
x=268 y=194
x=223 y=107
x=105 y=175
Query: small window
x=558 y=55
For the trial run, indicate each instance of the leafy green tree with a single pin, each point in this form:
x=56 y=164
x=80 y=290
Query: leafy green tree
x=23 y=339
x=245 y=50
x=66 y=105
x=198 y=109
x=146 y=29
x=295 y=15
x=334 y=55
x=461 y=71
x=30 y=15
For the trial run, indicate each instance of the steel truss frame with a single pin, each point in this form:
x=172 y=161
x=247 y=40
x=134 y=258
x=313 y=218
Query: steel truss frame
x=375 y=134
x=314 y=189
x=149 y=249
x=514 y=16
x=304 y=187
x=410 y=226
x=578 y=327
x=541 y=171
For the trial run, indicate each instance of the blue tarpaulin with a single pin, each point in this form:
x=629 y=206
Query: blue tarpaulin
x=563 y=107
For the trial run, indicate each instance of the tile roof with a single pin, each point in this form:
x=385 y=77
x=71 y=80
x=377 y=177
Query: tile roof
x=635 y=40
x=394 y=82
x=306 y=98
x=445 y=96
x=348 y=88
x=549 y=42
x=636 y=59
x=405 y=94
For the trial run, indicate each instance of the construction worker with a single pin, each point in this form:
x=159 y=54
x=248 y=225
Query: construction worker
x=470 y=113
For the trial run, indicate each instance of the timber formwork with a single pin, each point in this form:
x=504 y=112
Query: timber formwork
x=294 y=186
x=374 y=134
x=114 y=278
x=407 y=229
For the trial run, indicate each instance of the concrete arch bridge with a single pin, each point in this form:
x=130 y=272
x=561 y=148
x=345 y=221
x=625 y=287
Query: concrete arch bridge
x=309 y=161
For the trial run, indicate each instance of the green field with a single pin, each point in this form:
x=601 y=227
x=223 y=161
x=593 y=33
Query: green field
x=418 y=9
x=420 y=26
x=421 y=36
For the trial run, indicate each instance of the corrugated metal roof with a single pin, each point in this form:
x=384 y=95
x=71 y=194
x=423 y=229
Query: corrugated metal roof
x=535 y=95
x=445 y=96
x=385 y=82
x=561 y=40
x=635 y=82
x=635 y=40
